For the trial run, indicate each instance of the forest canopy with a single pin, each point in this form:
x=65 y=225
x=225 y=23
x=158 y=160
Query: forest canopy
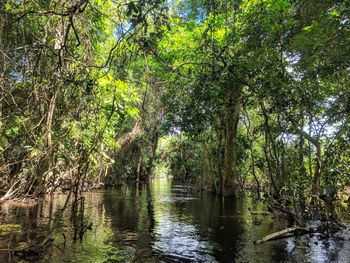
x=225 y=95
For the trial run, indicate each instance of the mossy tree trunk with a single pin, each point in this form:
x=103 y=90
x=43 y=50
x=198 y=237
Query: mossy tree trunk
x=233 y=109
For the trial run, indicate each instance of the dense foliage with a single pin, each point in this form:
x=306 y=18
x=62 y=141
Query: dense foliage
x=228 y=94
x=255 y=80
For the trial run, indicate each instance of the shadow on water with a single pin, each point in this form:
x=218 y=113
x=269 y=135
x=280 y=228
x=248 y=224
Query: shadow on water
x=158 y=222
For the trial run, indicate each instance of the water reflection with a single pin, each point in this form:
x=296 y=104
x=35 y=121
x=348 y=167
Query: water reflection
x=159 y=222
x=177 y=236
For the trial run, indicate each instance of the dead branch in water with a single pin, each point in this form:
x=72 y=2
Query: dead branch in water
x=280 y=234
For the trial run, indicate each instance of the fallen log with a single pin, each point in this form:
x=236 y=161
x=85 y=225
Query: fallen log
x=290 y=230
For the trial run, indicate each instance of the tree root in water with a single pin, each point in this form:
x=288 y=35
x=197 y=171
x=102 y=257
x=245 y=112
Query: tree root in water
x=325 y=228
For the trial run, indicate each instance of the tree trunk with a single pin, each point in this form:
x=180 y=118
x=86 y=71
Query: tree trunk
x=318 y=167
x=252 y=157
x=220 y=160
x=233 y=109
x=302 y=169
x=318 y=147
x=3 y=167
x=154 y=144
x=47 y=160
x=210 y=178
x=254 y=172
x=271 y=164
x=139 y=168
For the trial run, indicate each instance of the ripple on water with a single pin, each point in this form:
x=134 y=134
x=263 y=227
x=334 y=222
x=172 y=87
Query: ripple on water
x=174 y=198
x=178 y=240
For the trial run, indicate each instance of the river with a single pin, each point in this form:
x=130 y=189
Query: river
x=158 y=222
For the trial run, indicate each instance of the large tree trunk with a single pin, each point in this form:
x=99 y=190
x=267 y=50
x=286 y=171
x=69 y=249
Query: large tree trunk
x=233 y=109
x=7 y=178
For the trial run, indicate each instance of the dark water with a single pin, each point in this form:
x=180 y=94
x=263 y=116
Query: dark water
x=161 y=222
